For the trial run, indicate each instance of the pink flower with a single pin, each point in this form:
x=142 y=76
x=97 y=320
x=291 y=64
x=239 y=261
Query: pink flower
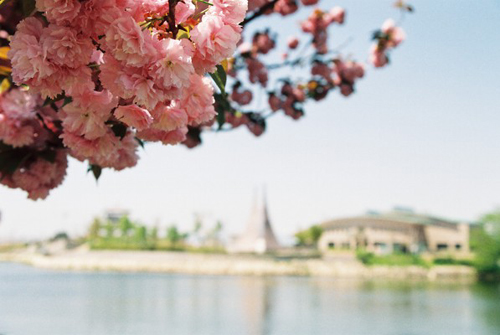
x=19 y=104
x=171 y=117
x=19 y=125
x=123 y=155
x=245 y=47
x=274 y=102
x=242 y=98
x=257 y=72
x=321 y=69
x=290 y=109
x=96 y=16
x=17 y=133
x=378 y=58
x=199 y=101
x=309 y=2
x=80 y=147
x=255 y=4
x=127 y=153
x=140 y=8
x=299 y=94
x=396 y=35
x=63 y=46
x=97 y=57
x=50 y=59
x=286 y=7
x=255 y=128
x=184 y=10
x=232 y=11
x=346 y=89
x=349 y=71
x=175 y=67
x=293 y=42
x=336 y=14
x=166 y=137
x=28 y=63
x=134 y=116
x=147 y=95
x=129 y=44
x=105 y=151
x=40 y=176
x=116 y=78
x=214 y=41
x=75 y=81
x=87 y=114
x=317 y=22
x=59 y=11
x=263 y=43
x=236 y=119
x=130 y=82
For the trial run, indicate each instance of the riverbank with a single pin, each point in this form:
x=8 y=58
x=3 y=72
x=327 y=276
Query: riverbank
x=240 y=265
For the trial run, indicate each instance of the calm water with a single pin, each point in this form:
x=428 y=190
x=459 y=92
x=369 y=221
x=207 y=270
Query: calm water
x=39 y=302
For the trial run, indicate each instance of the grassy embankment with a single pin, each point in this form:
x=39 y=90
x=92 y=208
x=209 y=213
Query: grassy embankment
x=396 y=259
x=151 y=245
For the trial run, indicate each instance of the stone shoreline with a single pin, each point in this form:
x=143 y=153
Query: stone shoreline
x=211 y=264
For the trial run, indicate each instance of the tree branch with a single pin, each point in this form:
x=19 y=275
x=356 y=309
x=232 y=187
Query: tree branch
x=171 y=17
x=262 y=10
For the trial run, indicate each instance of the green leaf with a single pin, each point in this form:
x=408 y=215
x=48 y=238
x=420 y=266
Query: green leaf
x=141 y=142
x=221 y=106
x=221 y=118
x=67 y=100
x=205 y=2
x=96 y=171
x=220 y=78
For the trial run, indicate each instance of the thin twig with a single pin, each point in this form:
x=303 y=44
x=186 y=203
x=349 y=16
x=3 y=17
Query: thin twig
x=262 y=10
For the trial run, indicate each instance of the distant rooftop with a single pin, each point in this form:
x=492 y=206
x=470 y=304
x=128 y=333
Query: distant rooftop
x=403 y=215
x=408 y=215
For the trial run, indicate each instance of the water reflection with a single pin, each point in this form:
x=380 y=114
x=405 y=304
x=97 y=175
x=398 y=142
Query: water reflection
x=43 y=302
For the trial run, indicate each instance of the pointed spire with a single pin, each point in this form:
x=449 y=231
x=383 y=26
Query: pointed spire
x=259 y=236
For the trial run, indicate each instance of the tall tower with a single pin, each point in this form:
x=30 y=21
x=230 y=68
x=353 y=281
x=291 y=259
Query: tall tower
x=258 y=236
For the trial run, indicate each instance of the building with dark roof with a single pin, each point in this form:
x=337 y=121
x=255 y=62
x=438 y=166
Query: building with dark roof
x=399 y=230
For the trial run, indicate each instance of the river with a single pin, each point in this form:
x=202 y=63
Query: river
x=43 y=302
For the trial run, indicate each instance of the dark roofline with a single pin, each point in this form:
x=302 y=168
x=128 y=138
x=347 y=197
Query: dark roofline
x=400 y=218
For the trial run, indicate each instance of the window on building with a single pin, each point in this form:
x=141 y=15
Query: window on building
x=399 y=248
x=331 y=245
x=442 y=246
x=346 y=245
x=458 y=246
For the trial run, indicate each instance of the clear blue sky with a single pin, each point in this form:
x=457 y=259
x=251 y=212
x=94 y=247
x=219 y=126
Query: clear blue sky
x=424 y=133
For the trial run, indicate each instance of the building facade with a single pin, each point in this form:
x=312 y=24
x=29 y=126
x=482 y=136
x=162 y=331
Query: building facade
x=396 y=231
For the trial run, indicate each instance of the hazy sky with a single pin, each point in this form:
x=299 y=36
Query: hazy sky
x=423 y=133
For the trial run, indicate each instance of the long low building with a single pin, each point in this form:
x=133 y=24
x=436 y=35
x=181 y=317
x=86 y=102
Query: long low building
x=400 y=230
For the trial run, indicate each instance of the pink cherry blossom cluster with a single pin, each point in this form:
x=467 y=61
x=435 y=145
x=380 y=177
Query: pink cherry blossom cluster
x=97 y=78
x=128 y=71
x=289 y=94
x=283 y=7
x=28 y=135
x=387 y=38
x=19 y=124
x=38 y=175
x=317 y=24
x=290 y=97
x=346 y=74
